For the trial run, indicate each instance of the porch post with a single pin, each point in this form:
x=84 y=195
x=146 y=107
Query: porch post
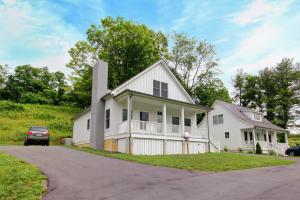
x=182 y=121
x=164 y=126
x=286 y=138
x=129 y=107
x=267 y=135
x=275 y=137
x=254 y=139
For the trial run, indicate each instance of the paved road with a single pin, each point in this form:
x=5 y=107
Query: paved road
x=78 y=175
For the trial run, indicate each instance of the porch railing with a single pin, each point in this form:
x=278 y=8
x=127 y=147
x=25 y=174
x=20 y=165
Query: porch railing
x=154 y=128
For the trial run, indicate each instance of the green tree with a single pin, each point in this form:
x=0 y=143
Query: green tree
x=239 y=82
x=127 y=47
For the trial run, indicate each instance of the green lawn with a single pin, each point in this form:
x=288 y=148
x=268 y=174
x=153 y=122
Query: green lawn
x=20 y=180
x=202 y=162
x=294 y=140
x=15 y=119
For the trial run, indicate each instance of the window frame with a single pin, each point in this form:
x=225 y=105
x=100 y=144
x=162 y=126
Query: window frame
x=107 y=118
x=164 y=90
x=186 y=120
x=157 y=89
x=88 y=124
x=227 y=135
x=218 y=119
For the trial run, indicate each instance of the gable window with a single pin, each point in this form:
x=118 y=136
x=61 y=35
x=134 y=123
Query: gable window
x=107 y=118
x=156 y=88
x=160 y=89
x=226 y=135
x=88 y=124
x=187 y=122
x=164 y=90
x=218 y=119
x=256 y=116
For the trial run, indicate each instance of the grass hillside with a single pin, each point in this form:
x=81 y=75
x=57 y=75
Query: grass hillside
x=15 y=119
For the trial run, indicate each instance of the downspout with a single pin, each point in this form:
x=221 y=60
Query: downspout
x=207 y=121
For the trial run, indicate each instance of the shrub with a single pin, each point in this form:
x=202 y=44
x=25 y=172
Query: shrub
x=44 y=116
x=225 y=149
x=9 y=106
x=34 y=98
x=240 y=150
x=250 y=152
x=258 y=149
x=61 y=126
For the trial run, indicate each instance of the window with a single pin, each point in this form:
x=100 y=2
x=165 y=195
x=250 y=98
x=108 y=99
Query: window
x=250 y=136
x=160 y=89
x=144 y=116
x=187 y=122
x=164 y=90
x=246 y=136
x=218 y=119
x=270 y=138
x=156 y=88
x=257 y=116
x=107 y=118
x=226 y=135
x=88 y=124
x=159 y=117
x=175 y=123
x=124 y=115
x=265 y=137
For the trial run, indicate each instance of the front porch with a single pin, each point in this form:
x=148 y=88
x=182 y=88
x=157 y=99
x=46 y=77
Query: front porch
x=268 y=140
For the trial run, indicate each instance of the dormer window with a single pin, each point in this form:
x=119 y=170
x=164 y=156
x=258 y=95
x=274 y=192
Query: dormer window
x=257 y=116
x=160 y=89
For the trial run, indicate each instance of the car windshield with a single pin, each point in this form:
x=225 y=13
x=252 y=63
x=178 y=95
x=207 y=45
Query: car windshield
x=36 y=128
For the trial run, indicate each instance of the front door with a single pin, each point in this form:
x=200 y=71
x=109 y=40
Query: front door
x=144 y=118
x=159 y=121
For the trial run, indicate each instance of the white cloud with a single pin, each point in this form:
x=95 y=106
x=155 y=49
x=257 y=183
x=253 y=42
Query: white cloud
x=31 y=34
x=260 y=10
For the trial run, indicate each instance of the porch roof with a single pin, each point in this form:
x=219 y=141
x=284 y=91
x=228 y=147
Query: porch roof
x=140 y=94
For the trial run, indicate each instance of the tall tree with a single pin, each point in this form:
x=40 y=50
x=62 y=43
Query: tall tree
x=239 y=82
x=192 y=60
x=127 y=47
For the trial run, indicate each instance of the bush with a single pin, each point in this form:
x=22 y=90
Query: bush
x=258 y=149
x=44 y=116
x=225 y=149
x=9 y=106
x=240 y=150
x=61 y=126
x=250 y=152
x=34 y=98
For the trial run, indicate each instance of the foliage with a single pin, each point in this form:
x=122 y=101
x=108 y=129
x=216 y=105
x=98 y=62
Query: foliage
x=19 y=180
x=127 y=47
x=272 y=91
x=241 y=150
x=203 y=162
x=225 y=149
x=294 y=140
x=258 y=149
x=250 y=152
x=194 y=63
x=35 y=85
x=272 y=152
x=9 y=106
x=14 y=124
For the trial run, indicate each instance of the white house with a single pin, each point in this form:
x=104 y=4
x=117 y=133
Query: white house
x=236 y=127
x=149 y=114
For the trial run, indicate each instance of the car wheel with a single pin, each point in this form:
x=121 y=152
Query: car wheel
x=292 y=153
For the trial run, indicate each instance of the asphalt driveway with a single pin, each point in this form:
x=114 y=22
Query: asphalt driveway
x=79 y=175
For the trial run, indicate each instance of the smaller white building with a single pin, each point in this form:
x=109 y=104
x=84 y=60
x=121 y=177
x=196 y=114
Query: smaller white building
x=82 y=127
x=236 y=127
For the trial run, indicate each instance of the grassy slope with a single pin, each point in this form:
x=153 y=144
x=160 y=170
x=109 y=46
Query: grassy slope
x=294 y=140
x=15 y=123
x=19 y=180
x=203 y=162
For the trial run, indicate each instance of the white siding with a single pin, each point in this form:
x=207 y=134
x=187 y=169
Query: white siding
x=144 y=84
x=123 y=145
x=173 y=147
x=81 y=135
x=147 y=146
x=197 y=147
x=230 y=124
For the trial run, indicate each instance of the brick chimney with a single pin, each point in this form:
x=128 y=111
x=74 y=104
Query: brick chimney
x=99 y=89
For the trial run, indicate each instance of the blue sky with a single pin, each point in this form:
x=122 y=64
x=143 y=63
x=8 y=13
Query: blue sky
x=247 y=34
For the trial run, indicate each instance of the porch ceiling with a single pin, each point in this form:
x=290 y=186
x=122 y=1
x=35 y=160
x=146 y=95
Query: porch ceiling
x=158 y=101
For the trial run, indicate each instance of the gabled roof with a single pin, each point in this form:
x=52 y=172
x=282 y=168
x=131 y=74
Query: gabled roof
x=148 y=69
x=237 y=111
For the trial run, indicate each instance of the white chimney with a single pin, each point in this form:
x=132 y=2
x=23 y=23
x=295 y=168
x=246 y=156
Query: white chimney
x=99 y=89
